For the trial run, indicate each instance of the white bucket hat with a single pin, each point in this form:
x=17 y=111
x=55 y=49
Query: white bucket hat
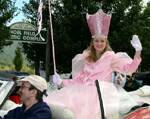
x=37 y=81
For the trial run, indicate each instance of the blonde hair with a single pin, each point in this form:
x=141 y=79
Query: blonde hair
x=92 y=57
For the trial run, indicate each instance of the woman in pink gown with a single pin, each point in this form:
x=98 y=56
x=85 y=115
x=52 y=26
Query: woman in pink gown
x=98 y=62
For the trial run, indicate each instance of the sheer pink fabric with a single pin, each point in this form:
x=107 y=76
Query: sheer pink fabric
x=99 y=23
x=103 y=68
x=80 y=94
x=83 y=100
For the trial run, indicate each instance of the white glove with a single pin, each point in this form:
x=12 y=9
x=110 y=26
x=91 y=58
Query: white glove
x=135 y=42
x=56 y=79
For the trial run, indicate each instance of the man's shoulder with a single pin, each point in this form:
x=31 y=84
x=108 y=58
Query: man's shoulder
x=20 y=108
x=41 y=106
x=42 y=109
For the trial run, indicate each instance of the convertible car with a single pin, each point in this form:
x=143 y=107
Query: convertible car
x=132 y=105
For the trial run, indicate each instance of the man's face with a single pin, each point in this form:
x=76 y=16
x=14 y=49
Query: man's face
x=25 y=91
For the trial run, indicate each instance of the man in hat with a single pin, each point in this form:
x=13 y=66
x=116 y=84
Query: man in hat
x=32 y=89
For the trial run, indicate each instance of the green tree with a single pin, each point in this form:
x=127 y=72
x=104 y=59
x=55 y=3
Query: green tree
x=71 y=33
x=18 y=59
x=144 y=31
x=7 y=10
x=34 y=52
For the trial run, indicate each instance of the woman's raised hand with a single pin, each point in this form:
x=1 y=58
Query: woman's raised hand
x=135 y=42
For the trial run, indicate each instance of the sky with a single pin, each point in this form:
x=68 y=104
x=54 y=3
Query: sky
x=19 y=4
x=145 y=1
x=19 y=17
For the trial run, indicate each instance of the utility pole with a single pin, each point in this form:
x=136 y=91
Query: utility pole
x=48 y=46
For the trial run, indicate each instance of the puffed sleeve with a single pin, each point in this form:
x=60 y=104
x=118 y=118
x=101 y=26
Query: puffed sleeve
x=122 y=63
x=78 y=63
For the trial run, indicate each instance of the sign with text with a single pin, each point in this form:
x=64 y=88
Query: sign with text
x=24 y=32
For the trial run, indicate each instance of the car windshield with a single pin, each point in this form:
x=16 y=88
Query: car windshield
x=6 y=87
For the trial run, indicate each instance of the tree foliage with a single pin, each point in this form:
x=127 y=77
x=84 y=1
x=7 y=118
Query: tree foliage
x=71 y=33
x=18 y=60
x=144 y=32
x=7 y=10
x=35 y=52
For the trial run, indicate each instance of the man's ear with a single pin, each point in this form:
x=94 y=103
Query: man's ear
x=34 y=91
